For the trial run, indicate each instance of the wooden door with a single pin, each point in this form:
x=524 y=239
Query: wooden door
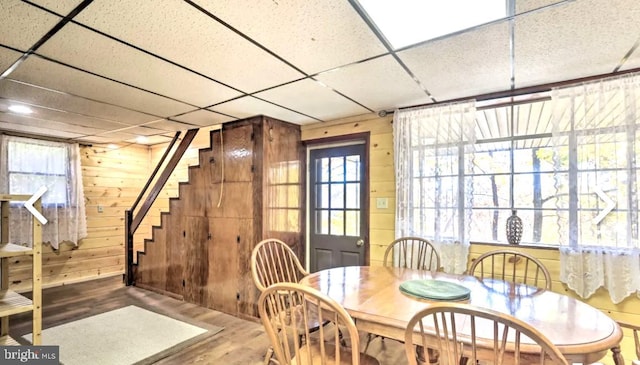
x=338 y=224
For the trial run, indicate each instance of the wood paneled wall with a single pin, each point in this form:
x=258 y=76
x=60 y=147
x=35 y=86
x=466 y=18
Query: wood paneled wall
x=112 y=180
x=382 y=184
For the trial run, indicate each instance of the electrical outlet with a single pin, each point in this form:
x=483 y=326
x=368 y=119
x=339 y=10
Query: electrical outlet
x=100 y=208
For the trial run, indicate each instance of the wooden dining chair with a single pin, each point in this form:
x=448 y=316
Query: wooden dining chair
x=635 y=331
x=283 y=305
x=273 y=261
x=465 y=334
x=412 y=253
x=511 y=266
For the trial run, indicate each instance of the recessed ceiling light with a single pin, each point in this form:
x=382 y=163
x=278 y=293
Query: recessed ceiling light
x=20 y=109
x=142 y=139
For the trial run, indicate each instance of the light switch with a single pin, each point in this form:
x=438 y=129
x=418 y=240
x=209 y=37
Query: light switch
x=382 y=203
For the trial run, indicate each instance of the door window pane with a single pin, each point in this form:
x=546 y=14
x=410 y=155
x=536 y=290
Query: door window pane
x=337 y=196
x=353 y=168
x=337 y=169
x=337 y=223
x=322 y=221
x=353 y=196
x=353 y=223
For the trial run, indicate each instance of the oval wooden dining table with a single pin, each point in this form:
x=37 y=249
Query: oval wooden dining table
x=371 y=295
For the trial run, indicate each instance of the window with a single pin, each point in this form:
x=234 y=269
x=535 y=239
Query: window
x=517 y=163
x=284 y=197
x=32 y=164
x=28 y=164
x=567 y=164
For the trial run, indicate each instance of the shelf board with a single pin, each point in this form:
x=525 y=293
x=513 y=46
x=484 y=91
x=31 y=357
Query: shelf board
x=8 y=341
x=13 y=303
x=12 y=250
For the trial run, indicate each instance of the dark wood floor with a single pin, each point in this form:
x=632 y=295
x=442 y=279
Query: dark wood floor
x=241 y=342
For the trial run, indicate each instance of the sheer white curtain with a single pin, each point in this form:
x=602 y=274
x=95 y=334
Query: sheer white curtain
x=433 y=146
x=596 y=148
x=26 y=165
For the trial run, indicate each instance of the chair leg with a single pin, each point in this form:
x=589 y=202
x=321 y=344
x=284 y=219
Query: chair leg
x=617 y=356
x=268 y=356
x=343 y=343
x=370 y=338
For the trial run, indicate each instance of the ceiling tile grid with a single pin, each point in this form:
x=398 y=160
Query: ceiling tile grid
x=378 y=84
x=38 y=128
x=311 y=98
x=61 y=7
x=314 y=36
x=179 y=32
x=573 y=40
x=203 y=118
x=93 y=52
x=22 y=25
x=7 y=58
x=48 y=74
x=470 y=63
x=168 y=125
x=249 y=106
x=30 y=94
x=153 y=67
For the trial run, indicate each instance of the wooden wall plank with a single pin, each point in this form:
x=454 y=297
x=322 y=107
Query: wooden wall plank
x=112 y=179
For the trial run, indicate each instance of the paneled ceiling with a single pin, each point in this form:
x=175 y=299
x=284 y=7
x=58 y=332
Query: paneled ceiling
x=106 y=71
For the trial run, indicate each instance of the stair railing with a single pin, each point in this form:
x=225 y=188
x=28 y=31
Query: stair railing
x=131 y=222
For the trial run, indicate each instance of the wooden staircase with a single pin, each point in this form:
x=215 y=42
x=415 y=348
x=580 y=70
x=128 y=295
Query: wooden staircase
x=200 y=252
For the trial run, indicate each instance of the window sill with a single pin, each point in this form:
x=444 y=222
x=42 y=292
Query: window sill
x=504 y=245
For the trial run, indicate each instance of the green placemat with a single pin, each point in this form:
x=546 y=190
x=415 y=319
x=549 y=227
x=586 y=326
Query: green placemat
x=435 y=290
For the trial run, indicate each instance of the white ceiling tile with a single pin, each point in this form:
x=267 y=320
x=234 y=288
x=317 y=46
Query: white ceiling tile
x=98 y=139
x=151 y=140
x=39 y=96
x=249 y=106
x=203 y=118
x=40 y=121
x=311 y=98
x=91 y=51
x=530 y=5
x=578 y=39
x=64 y=117
x=378 y=84
x=312 y=35
x=7 y=58
x=456 y=66
x=62 y=7
x=179 y=32
x=54 y=76
x=22 y=25
x=142 y=131
x=168 y=125
x=117 y=135
x=38 y=129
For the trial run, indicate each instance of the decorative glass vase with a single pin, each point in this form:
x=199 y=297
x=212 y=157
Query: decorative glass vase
x=514 y=228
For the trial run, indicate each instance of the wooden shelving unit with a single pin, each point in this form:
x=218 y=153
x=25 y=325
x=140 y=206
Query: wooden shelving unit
x=10 y=301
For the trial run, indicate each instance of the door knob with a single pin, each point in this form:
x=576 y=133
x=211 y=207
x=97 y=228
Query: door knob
x=360 y=242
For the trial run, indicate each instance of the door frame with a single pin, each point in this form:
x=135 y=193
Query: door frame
x=329 y=142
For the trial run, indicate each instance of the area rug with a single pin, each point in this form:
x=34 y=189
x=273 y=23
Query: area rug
x=125 y=336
